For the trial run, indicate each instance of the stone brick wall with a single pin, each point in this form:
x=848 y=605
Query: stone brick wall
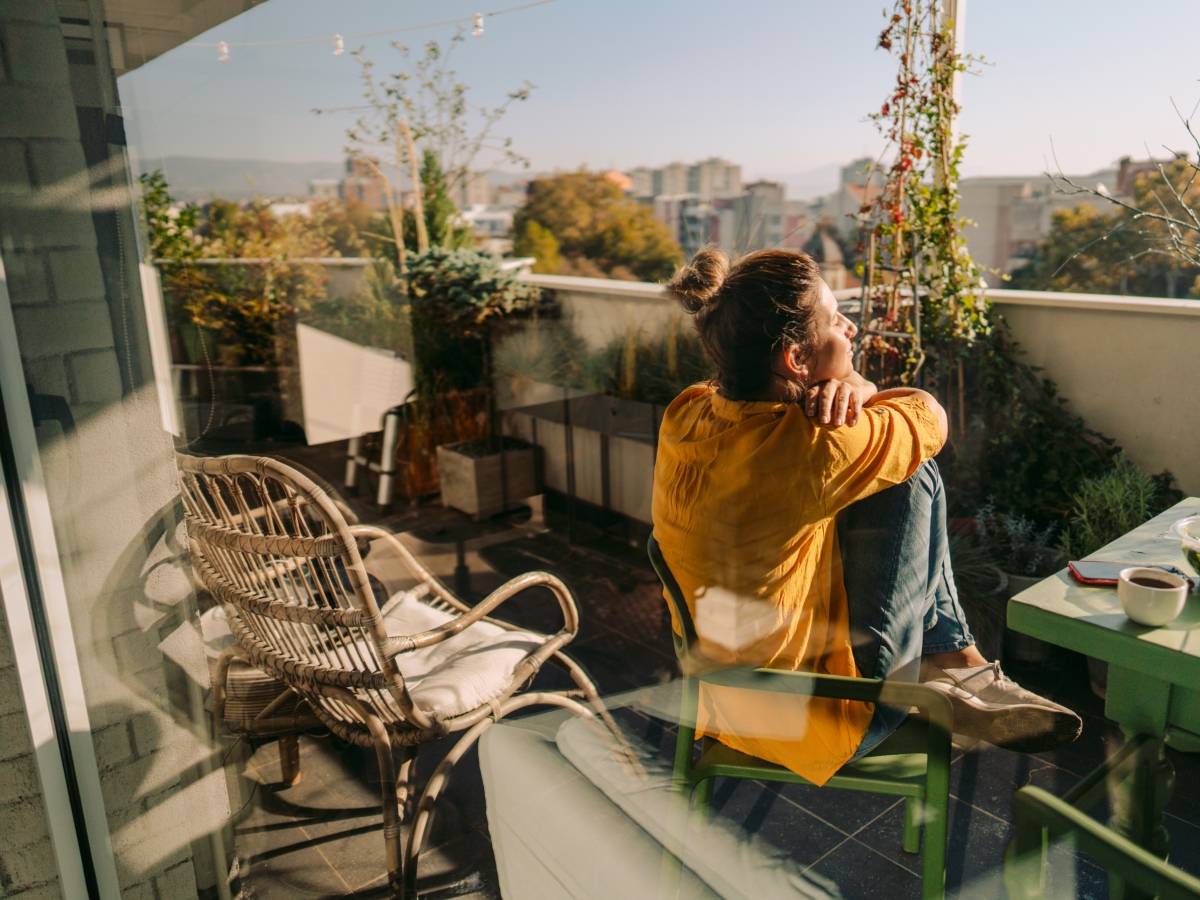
x=27 y=867
x=110 y=475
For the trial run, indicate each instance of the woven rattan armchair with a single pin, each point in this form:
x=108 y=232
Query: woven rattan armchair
x=273 y=549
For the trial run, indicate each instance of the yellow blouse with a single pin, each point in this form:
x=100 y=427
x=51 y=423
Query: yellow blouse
x=745 y=495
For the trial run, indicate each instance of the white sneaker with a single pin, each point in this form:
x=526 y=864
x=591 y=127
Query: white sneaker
x=991 y=708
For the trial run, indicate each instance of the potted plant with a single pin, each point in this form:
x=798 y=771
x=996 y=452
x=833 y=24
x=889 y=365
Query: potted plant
x=1024 y=553
x=459 y=299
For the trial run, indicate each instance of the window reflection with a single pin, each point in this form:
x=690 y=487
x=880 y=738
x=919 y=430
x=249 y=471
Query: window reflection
x=471 y=370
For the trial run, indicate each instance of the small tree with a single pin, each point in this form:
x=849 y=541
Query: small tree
x=595 y=228
x=439 y=214
x=459 y=298
x=246 y=308
x=1164 y=211
x=424 y=107
x=1124 y=251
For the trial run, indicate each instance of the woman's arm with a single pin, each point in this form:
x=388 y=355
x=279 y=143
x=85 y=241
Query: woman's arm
x=930 y=401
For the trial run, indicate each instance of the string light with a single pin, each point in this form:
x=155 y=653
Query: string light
x=339 y=42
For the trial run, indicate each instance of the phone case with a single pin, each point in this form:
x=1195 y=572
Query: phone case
x=1096 y=581
x=1111 y=582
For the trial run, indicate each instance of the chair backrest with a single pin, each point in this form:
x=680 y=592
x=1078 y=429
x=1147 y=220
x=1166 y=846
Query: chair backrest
x=1035 y=808
x=273 y=548
x=686 y=643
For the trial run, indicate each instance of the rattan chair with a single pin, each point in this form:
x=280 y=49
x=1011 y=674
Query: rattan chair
x=247 y=701
x=913 y=762
x=277 y=554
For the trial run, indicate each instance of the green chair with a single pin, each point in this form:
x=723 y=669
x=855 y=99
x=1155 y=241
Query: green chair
x=1041 y=818
x=914 y=762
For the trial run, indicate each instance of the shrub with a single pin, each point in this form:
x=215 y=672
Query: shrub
x=1113 y=504
x=1015 y=543
x=458 y=299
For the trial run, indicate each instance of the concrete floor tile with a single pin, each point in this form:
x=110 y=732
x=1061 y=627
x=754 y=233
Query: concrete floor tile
x=859 y=873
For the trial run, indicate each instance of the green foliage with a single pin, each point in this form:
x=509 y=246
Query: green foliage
x=441 y=218
x=916 y=231
x=1113 y=504
x=441 y=212
x=377 y=316
x=459 y=298
x=1015 y=543
x=172 y=231
x=1011 y=436
x=538 y=242
x=599 y=231
x=652 y=369
x=1017 y=443
x=1109 y=253
x=247 y=310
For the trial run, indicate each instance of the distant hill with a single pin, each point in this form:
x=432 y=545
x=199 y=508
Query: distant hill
x=199 y=178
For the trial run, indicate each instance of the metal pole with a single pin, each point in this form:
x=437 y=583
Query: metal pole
x=387 y=458
x=353 y=452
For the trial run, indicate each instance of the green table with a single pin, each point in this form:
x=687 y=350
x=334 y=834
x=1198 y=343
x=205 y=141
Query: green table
x=1153 y=673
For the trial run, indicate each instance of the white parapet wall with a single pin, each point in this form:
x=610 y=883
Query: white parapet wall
x=1124 y=364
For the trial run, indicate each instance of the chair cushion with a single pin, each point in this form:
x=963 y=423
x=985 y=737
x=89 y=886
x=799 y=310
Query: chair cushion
x=248 y=690
x=737 y=865
x=555 y=835
x=463 y=672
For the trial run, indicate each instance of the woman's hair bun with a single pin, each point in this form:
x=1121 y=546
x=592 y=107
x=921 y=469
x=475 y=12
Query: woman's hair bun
x=697 y=283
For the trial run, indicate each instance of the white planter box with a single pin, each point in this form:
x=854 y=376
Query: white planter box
x=483 y=484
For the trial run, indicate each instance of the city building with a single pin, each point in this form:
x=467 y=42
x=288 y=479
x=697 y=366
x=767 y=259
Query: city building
x=825 y=250
x=475 y=190
x=360 y=183
x=710 y=179
x=860 y=182
x=1010 y=215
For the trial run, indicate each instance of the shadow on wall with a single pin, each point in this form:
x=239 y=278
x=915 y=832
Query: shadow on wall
x=161 y=772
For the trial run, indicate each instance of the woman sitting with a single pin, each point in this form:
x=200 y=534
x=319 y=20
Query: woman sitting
x=804 y=518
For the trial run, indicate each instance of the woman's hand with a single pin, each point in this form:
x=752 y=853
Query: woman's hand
x=838 y=402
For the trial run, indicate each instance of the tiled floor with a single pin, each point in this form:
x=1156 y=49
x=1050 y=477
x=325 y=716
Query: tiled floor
x=322 y=837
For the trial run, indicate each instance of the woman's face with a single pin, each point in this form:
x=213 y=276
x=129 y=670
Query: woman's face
x=834 y=353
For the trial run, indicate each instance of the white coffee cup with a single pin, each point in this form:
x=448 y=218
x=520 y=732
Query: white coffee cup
x=1156 y=603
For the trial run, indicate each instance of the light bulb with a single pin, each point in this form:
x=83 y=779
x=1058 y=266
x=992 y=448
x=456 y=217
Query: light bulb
x=223 y=49
x=478 y=32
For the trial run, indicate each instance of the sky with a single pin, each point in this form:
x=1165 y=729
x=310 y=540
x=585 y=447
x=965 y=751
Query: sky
x=779 y=86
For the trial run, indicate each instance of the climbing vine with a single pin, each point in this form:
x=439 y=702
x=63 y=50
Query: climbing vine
x=923 y=295
x=925 y=317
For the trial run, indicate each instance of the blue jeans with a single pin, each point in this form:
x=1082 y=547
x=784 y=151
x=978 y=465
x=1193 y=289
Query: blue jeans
x=900 y=587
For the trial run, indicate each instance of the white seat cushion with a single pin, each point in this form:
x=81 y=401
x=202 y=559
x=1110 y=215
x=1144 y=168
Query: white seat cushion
x=736 y=864
x=463 y=672
x=555 y=835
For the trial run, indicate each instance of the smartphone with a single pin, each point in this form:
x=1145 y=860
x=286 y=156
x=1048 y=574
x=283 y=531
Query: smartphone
x=1099 y=572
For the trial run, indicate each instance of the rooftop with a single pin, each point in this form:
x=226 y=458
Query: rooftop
x=321 y=838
